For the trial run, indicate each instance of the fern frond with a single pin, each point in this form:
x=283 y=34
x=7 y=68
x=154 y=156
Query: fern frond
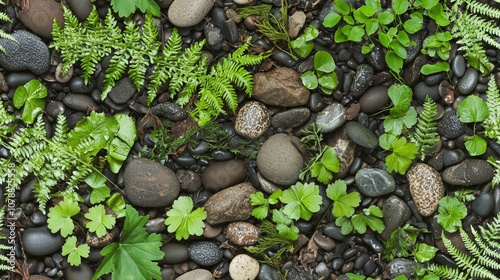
x=425 y=135
x=492 y=123
x=6 y=123
x=483 y=9
x=496 y=178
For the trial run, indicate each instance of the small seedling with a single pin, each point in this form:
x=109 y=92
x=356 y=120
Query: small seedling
x=185 y=221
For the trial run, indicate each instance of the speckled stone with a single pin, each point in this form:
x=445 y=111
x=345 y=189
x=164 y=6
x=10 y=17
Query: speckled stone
x=426 y=188
x=280 y=160
x=242 y=233
x=243 y=267
x=231 y=204
x=205 y=253
x=252 y=120
x=28 y=53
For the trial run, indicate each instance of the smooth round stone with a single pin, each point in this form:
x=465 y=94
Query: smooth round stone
x=458 y=65
x=175 y=253
x=266 y=185
x=242 y=233
x=39 y=16
x=373 y=243
x=333 y=231
x=450 y=125
x=40 y=241
x=220 y=155
x=243 y=267
x=38 y=218
x=205 y=253
x=293 y=118
x=316 y=102
x=79 y=102
x=123 y=91
x=198 y=274
x=400 y=266
x=230 y=31
x=156 y=225
x=451 y=157
x=231 y=204
x=202 y=148
x=150 y=184
x=324 y=242
x=220 y=175
x=81 y=8
x=63 y=77
x=421 y=90
x=322 y=270
x=189 y=180
x=168 y=110
x=331 y=118
x=468 y=82
x=77 y=85
x=374 y=99
x=338 y=263
x=361 y=135
x=376 y=59
x=483 y=205
x=252 y=120
x=496 y=198
x=17 y=79
x=81 y=272
x=186 y=13
x=284 y=58
x=369 y=267
x=54 y=108
x=362 y=80
x=469 y=172
x=434 y=79
x=268 y=272
x=374 y=182
x=280 y=160
x=426 y=187
x=396 y=213
x=361 y=261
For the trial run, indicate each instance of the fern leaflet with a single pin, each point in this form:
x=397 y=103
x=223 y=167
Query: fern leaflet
x=425 y=134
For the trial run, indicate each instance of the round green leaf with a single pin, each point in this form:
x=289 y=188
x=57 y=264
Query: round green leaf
x=385 y=17
x=309 y=80
x=329 y=81
x=373 y=4
x=394 y=61
x=359 y=16
x=472 y=109
x=367 y=10
x=356 y=34
x=371 y=26
x=398 y=49
x=475 y=145
x=20 y=96
x=349 y=20
x=414 y=24
x=384 y=39
x=331 y=20
x=339 y=36
x=367 y=48
x=400 y=6
x=403 y=38
x=342 y=7
x=428 y=4
x=323 y=62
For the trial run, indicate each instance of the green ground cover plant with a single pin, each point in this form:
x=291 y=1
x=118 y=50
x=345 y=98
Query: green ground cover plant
x=474 y=110
x=183 y=220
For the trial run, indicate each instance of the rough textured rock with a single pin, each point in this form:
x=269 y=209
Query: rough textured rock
x=450 y=126
x=374 y=182
x=280 y=159
x=231 y=204
x=223 y=174
x=169 y=110
x=252 y=120
x=242 y=233
x=122 y=91
x=280 y=87
x=345 y=149
x=469 y=172
x=186 y=13
x=150 y=184
x=39 y=15
x=40 y=241
x=400 y=266
x=205 y=253
x=30 y=53
x=243 y=267
x=426 y=187
x=362 y=81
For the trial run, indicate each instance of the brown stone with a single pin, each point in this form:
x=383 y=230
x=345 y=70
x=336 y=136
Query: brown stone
x=39 y=15
x=220 y=175
x=280 y=87
x=426 y=188
x=242 y=233
x=231 y=204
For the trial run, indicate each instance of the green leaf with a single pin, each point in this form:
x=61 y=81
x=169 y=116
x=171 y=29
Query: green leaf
x=133 y=257
x=280 y=218
x=302 y=200
x=385 y=141
x=344 y=204
x=450 y=213
x=394 y=61
x=385 y=17
x=403 y=39
x=331 y=20
x=97 y=127
x=309 y=80
x=367 y=10
x=371 y=26
x=414 y=24
x=367 y=48
x=349 y=20
x=323 y=62
x=329 y=81
x=400 y=6
x=369 y=217
x=99 y=189
x=127 y=131
x=429 y=69
x=402 y=155
x=428 y=4
x=438 y=15
x=182 y=220
x=125 y=8
x=356 y=34
x=59 y=217
x=345 y=224
x=342 y=7
x=401 y=97
x=117 y=204
x=99 y=221
x=288 y=232
x=31 y=96
x=303 y=45
x=339 y=36
x=75 y=253
x=475 y=145
x=330 y=160
x=374 y=4
x=384 y=39
x=257 y=199
x=359 y=16
x=398 y=49
x=424 y=253
x=472 y=109
x=319 y=171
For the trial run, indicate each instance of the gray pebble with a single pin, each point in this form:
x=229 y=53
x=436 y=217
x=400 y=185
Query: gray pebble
x=293 y=118
x=28 y=53
x=331 y=118
x=79 y=102
x=268 y=272
x=468 y=82
x=458 y=65
x=205 y=253
x=374 y=99
x=483 y=205
x=54 y=108
x=81 y=272
x=186 y=13
x=17 y=79
x=230 y=31
x=123 y=91
x=169 y=110
x=469 y=172
x=396 y=213
x=421 y=90
x=40 y=241
x=361 y=135
x=175 y=253
x=81 y=8
x=374 y=182
x=362 y=81
x=400 y=266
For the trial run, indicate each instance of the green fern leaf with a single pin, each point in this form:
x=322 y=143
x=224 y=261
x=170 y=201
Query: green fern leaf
x=425 y=134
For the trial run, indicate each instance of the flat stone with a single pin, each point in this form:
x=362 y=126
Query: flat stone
x=293 y=118
x=280 y=87
x=28 y=53
x=374 y=99
x=79 y=102
x=39 y=16
x=81 y=272
x=331 y=118
x=253 y=120
x=400 y=266
x=186 y=13
x=205 y=253
x=40 y=241
x=231 y=204
x=422 y=90
x=150 y=184
x=280 y=160
x=426 y=188
x=220 y=175
x=469 y=172
x=362 y=80
x=243 y=267
x=175 y=253
x=242 y=233
x=396 y=213
x=295 y=23
x=374 y=182
x=361 y=135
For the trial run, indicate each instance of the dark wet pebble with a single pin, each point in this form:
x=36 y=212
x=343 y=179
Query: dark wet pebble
x=230 y=31
x=189 y=180
x=483 y=205
x=421 y=90
x=361 y=261
x=458 y=65
x=38 y=218
x=434 y=79
x=205 y=253
x=370 y=267
x=468 y=82
x=469 y=172
x=4 y=152
x=185 y=160
x=412 y=72
x=79 y=102
x=294 y=117
x=331 y=118
x=496 y=198
x=81 y=8
x=155 y=225
x=40 y=241
x=17 y=79
x=200 y=149
x=373 y=243
x=374 y=182
x=324 y=242
x=361 y=135
x=55 y=108
x=220 y=155
x=27 y=191
x=333 y=231
x=376 y=59
x=444 y=260
x=396 y=213
x=169 y=110
x=337 y=263
x=451 y=157
x=175 y=253
x=81 y=272
x=362 y=80
x=322 y=271
x=284 y=58
x=374 y=99
x=77 y=85
x=122 y=91
x=213 y=36
x=414 y=49
x=450 y=126
x=400 y=266
x=316 y=102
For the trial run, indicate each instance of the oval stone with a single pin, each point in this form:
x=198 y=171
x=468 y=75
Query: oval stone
x=374 y=182
x=374 y=99
x=469 y=172
x=426 y=188
x=40 y=241
x=252 y=120
x=186 y=13
x=223 y=174
x=243 y=267
x=231 y=204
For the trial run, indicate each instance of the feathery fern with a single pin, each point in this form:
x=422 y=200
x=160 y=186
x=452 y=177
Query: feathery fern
x=483 y=259
x=3 y=258
x=492 y=123
x=3 y=34
x=471 y=30
x=425 y=135
x=136 y=48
